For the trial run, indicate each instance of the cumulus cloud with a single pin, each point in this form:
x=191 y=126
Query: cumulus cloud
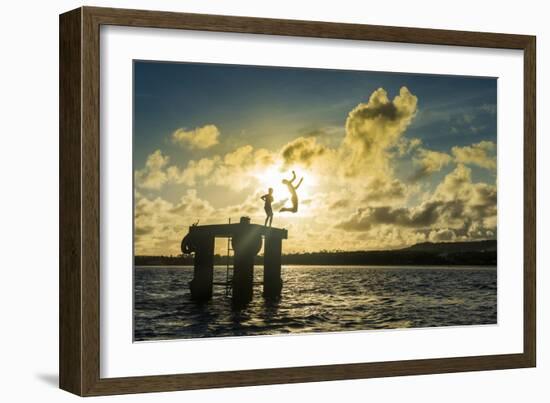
x=406 y=146
x=442 y=235
x=251 y=207
x=429 y=162
x=200 y=137
x=153 y=175
x=422 y=216
x=481 y=154
x=160 y=224
x=191 y=207
x=458 y=185
x=230 y=169
x=156 y=173
x=340 y=204
x=238 y=169
x=194 y=171
x=384 y=190
x=302 y=151
x=235 y=169
x=458 y=205
x=373 y=128
x=241 y=156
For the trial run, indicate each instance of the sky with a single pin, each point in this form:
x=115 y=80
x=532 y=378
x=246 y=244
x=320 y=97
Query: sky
x=387 y=159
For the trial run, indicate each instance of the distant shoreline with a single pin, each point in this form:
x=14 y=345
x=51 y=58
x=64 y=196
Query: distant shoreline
x=476 y=253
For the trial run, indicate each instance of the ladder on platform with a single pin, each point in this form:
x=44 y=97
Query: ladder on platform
x=228 y=271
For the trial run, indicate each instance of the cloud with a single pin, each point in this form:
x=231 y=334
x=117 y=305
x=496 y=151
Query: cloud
x=429 y=162
x=200 y=137
x=340 y=204
x=195 y=171
x=239 y=168
x=457 y=204
x=422 y=216
x=479 y=201
x=406 y=146
x=191 y=207
x=158 y=173
x=252 y=206
x=235 y=169
x=153 y=175
x=373 y=128
x=232 y=169
x=241 y=156
x=384 y=190
x=160 y=224
x=458 y=185
x=302 y=151
x=481 y=154
x=442 y=235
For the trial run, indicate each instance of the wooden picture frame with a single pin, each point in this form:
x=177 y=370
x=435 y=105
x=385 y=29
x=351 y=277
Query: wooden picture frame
x=79 y=348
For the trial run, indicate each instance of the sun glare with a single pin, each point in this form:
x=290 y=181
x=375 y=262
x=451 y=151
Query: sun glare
x=272 y=178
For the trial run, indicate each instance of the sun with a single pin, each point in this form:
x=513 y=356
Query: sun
x=272 y=176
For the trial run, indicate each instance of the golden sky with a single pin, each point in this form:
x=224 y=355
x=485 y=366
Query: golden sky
x=371 y=182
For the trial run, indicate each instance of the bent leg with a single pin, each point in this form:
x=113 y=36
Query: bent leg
x=294 y=208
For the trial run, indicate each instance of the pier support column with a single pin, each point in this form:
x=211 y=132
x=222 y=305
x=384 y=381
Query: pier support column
x=203 y=276
x=246 y=244
x=273 y=283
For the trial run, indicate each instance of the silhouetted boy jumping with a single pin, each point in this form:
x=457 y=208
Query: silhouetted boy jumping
x=293 y=195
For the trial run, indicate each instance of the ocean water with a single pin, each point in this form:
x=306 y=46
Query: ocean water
x=316 y=299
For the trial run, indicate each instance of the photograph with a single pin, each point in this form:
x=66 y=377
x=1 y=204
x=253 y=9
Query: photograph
x=272 y=200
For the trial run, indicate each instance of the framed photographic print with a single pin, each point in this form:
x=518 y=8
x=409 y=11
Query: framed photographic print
x=249 y=201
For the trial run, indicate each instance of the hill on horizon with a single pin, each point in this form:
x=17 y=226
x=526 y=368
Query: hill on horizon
x=484 y=245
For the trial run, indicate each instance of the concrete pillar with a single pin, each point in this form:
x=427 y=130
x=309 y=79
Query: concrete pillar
x=246 y=244
x=273 y=283
x=203 y=276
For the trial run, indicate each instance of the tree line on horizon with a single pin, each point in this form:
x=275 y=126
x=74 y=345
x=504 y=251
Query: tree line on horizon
x=452 y=253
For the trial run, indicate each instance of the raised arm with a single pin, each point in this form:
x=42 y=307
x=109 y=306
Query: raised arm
x=299 y=183
x=293 y=177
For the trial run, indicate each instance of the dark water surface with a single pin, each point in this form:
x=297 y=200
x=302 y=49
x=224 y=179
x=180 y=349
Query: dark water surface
x=317 y=299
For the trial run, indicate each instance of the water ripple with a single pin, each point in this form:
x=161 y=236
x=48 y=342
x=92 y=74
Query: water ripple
x=317 y=299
